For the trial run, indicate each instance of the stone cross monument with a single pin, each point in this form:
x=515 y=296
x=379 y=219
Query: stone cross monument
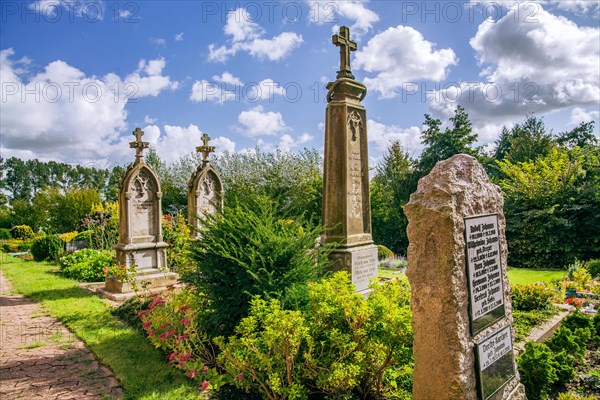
x=205 y=190
x=462 y=315
x=346 y=204
x=141 y=249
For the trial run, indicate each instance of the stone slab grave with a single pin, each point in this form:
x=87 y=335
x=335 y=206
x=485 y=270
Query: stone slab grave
x=462 y=313
x=205 y=191
x=346 y=215
x=141 y=249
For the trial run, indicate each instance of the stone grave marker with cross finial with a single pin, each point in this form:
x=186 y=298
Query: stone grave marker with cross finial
x=205 y=191
x=141 y=249
x=346 y=46
x=346 y=214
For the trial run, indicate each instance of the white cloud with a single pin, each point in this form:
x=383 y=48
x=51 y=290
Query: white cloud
x=179 y=37
x=227 y=87
x=247 y=35
x=257 y=122
x=53 y=10
x=579 y=115
x=223 y=144
x=158 y=41
x=287 y=142
x=382 y=136
x=540 y=67
x=150 y=121
x=173 y=142
x=580 y=8
x=63 y=114
x=400 y=55
x=326 y=12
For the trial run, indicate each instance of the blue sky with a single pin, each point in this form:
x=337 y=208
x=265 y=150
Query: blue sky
x=78 y=76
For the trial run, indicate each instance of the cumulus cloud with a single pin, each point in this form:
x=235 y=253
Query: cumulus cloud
x=227 y=87
x=326 y=12
x=579 y=115
x=400 y=55
x=246 y=35
x=257 y=122
x=382 y=136
x=541 y=67
x=64 y=114
x=150 y=121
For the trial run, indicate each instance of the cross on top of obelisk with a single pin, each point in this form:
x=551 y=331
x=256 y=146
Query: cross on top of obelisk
x=205 y=149
x=138 y=145
x=346 y=46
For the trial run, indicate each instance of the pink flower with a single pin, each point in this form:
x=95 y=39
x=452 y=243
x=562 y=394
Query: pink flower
x=171 y=356
x=105 y=270
x=146 y=324
x=182 y=308
x=204 y=386
x=184 y=357
x=239 y=377
x=192 y=373
x=185 y=321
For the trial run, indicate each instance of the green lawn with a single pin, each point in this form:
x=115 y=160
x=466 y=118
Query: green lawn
x=141 y=368
x=519 y=276
x=516 y=276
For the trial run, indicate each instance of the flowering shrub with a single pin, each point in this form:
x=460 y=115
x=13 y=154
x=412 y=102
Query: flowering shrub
x=574 y=301
x=22 y=232
x=537 y=296
x=103 y=221
x=171 y=323
x=68 y=236
x=177 y=234
x=88 y=265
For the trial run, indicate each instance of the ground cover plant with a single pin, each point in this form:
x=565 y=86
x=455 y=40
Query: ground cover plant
x=125 y=350
x=88 y=265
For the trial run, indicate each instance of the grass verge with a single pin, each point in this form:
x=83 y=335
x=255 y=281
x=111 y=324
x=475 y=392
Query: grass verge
x=519 y=276
x=140 y=367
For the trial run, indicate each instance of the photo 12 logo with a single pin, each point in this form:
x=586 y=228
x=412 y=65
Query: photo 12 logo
x=54 y=92
x=54 y=11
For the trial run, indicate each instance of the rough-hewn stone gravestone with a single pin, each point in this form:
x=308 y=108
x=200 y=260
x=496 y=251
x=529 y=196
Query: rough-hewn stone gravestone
x=205 y=190
x=141 y=249
x=462 y=314
x=346 y=204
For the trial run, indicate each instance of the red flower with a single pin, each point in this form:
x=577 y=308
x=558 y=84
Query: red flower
x=204 y=386
x=146 y=324
x=184 y=357
x=182 y=308
x=185 y=321
x=239 y=377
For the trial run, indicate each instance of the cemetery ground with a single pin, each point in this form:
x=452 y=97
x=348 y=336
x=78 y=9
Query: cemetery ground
x=143 y=371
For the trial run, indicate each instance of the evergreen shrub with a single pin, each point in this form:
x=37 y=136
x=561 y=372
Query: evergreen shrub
x=49 y=248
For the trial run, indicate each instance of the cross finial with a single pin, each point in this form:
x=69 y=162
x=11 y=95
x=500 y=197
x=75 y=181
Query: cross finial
x=138 y=145
x=346 y=46
x=205 y=149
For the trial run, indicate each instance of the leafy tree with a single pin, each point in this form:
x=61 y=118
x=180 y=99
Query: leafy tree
x=551 y=207
x=292 y=180
x=524 y=142
x=394 y=181
x=580 y=136
x=442 y=145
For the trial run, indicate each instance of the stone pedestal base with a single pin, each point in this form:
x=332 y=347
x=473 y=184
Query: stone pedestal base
x=359 y=261
x=147 y=280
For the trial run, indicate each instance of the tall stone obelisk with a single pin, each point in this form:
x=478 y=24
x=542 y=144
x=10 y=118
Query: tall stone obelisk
x=346 y=203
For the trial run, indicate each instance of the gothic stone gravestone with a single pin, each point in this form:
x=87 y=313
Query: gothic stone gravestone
x=205 y=190
x=141 y=249
x=346 y=204
x=462 y=314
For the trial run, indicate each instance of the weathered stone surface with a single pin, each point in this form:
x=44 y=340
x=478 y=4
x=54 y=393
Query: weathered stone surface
x=346 y=211
x=445 y=365
x=205 y=191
